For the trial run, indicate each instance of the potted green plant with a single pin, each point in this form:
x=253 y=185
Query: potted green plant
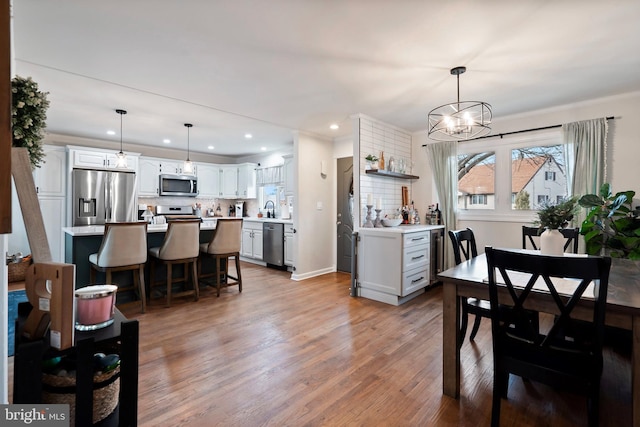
x=551 y=218
x=372 y=162
x=611 y=226
x=28 y=117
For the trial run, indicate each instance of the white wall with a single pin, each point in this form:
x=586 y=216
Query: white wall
x=315 y=202
x=622 y=161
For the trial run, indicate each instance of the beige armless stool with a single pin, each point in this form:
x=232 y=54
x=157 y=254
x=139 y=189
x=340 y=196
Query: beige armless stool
x=180 y=246
x=224 y=244
x=124 y=247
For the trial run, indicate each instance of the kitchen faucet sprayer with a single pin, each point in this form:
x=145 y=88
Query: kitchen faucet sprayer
x=272 y=213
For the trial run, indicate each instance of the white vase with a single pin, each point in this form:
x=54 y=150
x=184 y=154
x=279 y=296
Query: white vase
x=552 y=242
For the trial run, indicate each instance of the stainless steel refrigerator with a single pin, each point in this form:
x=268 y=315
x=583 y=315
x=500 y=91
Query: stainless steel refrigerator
x=103 y=196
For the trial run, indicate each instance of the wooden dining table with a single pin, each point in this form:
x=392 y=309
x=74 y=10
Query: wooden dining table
x=469 y=279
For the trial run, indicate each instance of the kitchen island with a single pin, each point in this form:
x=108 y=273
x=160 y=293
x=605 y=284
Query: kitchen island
x=395 y=264
x=80 y=242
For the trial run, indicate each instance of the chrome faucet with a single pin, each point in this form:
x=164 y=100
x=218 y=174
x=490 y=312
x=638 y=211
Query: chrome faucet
x=271 y=214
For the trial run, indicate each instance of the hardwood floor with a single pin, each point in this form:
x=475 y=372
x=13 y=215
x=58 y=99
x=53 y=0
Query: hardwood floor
x=285 y=353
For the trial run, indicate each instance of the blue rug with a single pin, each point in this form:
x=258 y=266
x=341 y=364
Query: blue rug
x=15 y=297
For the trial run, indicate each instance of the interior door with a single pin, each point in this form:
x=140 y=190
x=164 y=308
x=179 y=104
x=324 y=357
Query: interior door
x=344 y=216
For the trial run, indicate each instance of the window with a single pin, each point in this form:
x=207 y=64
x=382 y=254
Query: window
x=506 y=178
x=542 y=199
x=479 y=199
x=476 y=180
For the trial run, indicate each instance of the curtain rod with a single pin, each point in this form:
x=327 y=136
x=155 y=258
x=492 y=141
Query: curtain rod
x=519 y=131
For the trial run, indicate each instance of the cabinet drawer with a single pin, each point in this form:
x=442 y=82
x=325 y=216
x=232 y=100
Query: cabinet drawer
x=415 y=257
x=415 y=279
x=414 y=239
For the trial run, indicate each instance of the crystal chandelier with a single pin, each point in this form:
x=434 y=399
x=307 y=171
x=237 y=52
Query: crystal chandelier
x=461 y=120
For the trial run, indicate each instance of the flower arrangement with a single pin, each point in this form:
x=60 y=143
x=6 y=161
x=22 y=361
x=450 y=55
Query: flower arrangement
x=28 y=117
x=371 y=158
x=559 y=215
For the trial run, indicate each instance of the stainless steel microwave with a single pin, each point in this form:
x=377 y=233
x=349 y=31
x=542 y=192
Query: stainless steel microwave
x=178 y=185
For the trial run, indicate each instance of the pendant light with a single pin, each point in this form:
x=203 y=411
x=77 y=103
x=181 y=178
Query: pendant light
x=122 y=158
x=188 y=166
x=460 y=120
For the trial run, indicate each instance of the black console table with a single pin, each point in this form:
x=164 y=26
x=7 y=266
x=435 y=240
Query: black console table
x=123 y=333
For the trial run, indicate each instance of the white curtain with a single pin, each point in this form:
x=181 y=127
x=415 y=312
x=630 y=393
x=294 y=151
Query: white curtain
x=443 y=158
x=269 y=176
x=585 y=145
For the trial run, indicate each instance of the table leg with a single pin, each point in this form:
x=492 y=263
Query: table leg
x=450 y=349
x=635 y=371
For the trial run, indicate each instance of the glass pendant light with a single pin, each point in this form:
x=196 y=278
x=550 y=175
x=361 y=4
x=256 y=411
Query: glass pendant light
x=122 y=158
x=188 y=166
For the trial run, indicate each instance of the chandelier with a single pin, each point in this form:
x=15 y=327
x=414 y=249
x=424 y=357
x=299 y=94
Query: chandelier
x=461 y=120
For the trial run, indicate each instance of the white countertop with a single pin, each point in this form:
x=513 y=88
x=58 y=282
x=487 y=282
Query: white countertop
x=208 y=223
x=402 y=229
x=98 y=230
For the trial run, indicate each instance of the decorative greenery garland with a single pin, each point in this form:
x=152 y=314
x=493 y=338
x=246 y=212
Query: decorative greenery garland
x=28 y=117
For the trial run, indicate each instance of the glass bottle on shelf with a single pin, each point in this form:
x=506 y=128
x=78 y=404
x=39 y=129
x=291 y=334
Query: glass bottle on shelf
x=381 y=161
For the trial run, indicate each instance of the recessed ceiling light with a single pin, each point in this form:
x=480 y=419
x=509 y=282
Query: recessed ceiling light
x=334 y=126
x=166 y=141
x=111 y=132
x=248 y=135
x=211 y=147
x=263 y=148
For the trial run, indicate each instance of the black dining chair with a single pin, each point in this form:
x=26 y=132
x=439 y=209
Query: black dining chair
x=520 y=348
x=571 y=234
x=464 y=244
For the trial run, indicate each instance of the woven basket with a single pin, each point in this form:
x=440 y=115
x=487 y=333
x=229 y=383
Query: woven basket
x=62 y=390
x=17 y=270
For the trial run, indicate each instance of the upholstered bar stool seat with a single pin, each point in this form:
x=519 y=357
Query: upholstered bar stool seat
x=123 y=248
x=180 y=246
x=224 y=244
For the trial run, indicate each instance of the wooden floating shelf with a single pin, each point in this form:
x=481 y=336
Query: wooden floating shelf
x=389 y=174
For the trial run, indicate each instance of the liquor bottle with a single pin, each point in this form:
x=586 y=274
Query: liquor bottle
x=381 y=165
x=438 y=215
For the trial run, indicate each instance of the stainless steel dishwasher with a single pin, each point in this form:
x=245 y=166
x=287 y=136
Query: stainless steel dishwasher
x=273 y=244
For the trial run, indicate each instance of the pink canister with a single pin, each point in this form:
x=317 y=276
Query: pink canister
x=95 y=306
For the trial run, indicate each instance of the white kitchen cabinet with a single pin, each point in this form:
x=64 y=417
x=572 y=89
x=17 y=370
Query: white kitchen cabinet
x=53 y=215
x=229 y=181
x=96 y=159
x=208 y=180
x=175 y=167
x=393 y=263
x=252 y=239
x=289 y=174
x=148 y=181
x=247 y=181
x=49 y=177
x=289 y=242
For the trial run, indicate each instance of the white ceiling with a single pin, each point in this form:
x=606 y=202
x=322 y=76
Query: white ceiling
x=270 y=67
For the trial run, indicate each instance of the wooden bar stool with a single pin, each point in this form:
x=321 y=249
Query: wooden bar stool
x=124 y=247
x=224 y=244
x=180 y=246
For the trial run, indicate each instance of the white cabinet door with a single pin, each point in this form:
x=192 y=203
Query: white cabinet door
x=257 y=244
x=208 y=181
x=174 y=167
x=148 y=181
x=49 y=178
x=247 y=181
x=100 y=159
x=289 y=175
x=53 y=214
x=89 y=159
x=247 y=243
x=288 y=245
x=229 y=182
